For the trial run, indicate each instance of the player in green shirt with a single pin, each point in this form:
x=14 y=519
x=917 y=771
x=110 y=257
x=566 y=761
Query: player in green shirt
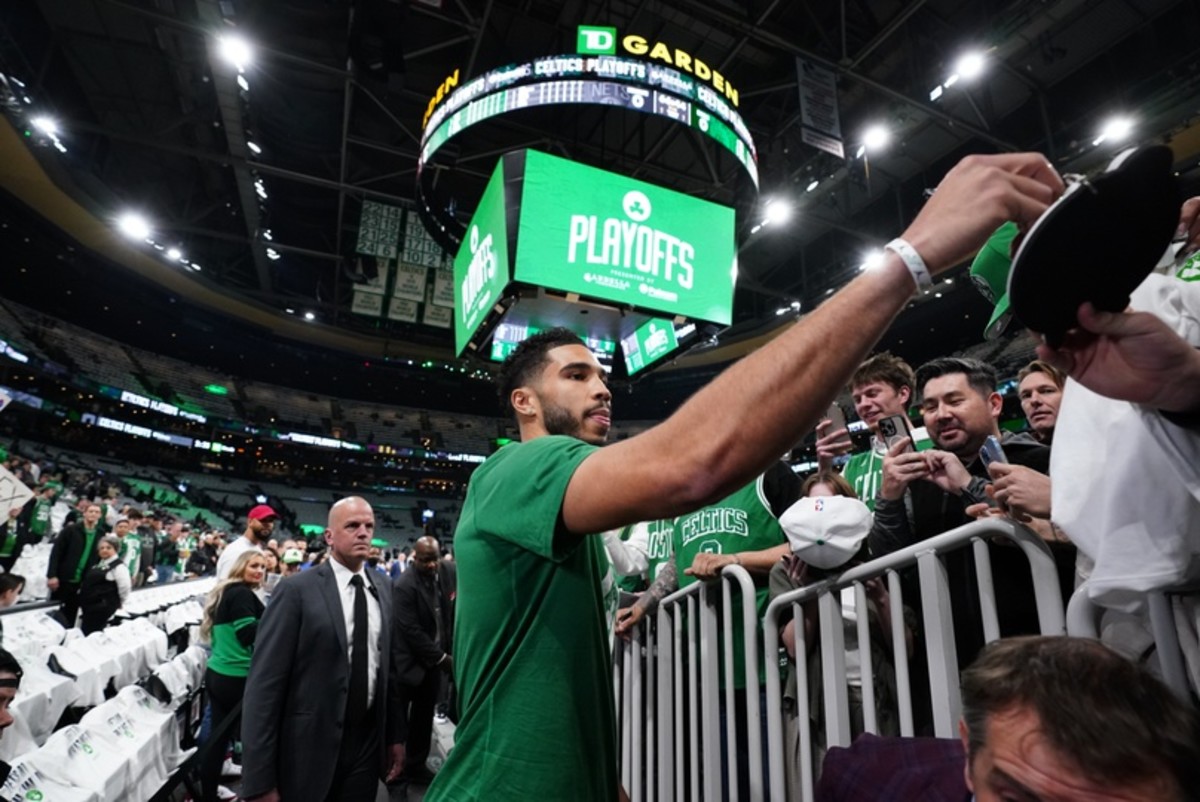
x=882 y=386
x=531 y=651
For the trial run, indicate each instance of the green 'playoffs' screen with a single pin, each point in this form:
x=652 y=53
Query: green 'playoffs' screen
x=653 y=339
x=481 y=265
x=601 y=235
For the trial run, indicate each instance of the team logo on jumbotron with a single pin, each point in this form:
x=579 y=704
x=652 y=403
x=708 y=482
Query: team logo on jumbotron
x=636 y=206
x=480 y=273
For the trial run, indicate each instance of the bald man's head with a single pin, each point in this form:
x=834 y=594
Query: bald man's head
x=426 y=553
x=350 y=530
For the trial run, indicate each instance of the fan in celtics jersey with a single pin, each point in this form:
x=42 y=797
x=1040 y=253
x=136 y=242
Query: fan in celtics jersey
x=882 y=386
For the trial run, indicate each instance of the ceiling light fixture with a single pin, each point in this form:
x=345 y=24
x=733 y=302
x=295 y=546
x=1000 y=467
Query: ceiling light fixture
x=174 y=254
x=134 y=226
x=254 y=148
x=778 y=210
x=970 y=65
x=876 y=137
x=235 y=50
x=46 y=125
x=1115 y=129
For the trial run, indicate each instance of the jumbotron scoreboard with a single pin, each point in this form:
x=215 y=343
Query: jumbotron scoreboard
x=621 y=262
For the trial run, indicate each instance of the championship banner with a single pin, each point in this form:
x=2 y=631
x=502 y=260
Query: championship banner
x=403 y=309
x=440 y=316
x=379 y=230
x=820 y=124
x=367 y=303
x=377 y=285
x=410 y=282
x=443 y=288
x=13 y=493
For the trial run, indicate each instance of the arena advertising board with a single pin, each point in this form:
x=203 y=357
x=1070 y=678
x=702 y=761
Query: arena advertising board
x=613 y=238
x=481 y=268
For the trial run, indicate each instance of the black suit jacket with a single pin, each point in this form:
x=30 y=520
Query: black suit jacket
x=417 y=650
x=68 y=549
x=295 y=698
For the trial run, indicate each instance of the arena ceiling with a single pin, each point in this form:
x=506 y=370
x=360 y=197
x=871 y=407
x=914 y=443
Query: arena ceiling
x=151 y=117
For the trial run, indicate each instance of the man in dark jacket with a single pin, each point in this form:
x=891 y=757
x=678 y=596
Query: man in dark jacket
x=73 y=554
x=961 y=408
x=424 y=604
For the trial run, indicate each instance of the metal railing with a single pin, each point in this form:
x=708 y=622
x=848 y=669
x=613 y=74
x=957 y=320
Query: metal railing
x=667 y=686
x=1084 y=621
x=938 y=628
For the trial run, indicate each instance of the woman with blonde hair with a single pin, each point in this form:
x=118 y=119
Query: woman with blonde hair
x=231 y=617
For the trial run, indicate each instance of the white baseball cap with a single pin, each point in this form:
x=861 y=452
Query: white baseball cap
x=826 y=531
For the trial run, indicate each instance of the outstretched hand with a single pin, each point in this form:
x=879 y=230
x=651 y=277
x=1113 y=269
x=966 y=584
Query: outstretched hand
x=1130 y=356
x=975 y=198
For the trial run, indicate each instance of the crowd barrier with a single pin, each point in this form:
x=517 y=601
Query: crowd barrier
x=666 y=676
x=1173 y=617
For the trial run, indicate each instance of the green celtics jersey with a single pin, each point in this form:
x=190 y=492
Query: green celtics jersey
x=131 y=552
x=39 y=525
x=742 y=521
x=864 y=472
x=632 y=583
x=531 y=654
x=659 y=547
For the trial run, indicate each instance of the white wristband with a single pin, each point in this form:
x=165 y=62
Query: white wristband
x=913 y=261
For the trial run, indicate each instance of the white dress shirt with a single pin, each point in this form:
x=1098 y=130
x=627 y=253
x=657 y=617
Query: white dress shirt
x=342 y=575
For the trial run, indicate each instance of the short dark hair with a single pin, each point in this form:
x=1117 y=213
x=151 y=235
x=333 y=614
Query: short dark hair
x=885 y=367
x=1108 y=715
x=527 y=359
x=11 y=582
x=9 y=665
x=980 y=375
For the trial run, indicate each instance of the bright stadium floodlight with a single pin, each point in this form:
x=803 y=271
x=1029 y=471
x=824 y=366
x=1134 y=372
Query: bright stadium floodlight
x=174 y=254
x=1115 y=129
x=46 y=125
x=235 y=50
x=254 y=148
x=310 y=316
x=134 y=226
x=778 y=210
x=970 y=65
x=871 y=261
x=876 y=137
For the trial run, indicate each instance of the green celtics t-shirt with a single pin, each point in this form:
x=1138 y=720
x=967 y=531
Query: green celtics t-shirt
x=742 y=521
x=864 y=472
x=531 y=652
x=39 y=525
x=131 y=552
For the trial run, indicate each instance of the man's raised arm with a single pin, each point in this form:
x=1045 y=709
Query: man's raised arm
x=739 y=424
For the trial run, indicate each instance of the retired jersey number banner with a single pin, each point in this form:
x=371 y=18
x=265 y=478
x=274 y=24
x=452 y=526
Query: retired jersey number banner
x=602 y=235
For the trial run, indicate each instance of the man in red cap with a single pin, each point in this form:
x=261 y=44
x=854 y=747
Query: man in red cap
x=260 y=522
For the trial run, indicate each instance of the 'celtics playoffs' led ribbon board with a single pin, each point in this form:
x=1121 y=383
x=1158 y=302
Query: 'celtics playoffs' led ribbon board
x=622 y=243
x=651 y=78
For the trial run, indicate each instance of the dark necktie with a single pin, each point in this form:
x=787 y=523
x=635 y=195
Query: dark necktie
x=356 y=700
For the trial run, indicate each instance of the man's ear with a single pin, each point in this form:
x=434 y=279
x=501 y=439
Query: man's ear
x=995 y=404
x=966 y=742
x=905 y=395
x=524 y=402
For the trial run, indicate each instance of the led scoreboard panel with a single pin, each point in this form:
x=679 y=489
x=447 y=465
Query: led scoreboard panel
x=625 y=241
x=603 y=80
x=552 y=240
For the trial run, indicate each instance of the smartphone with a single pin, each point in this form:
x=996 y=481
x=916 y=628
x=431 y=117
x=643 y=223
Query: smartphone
x=991 y=451
x=893 y=428
x=836 y=418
